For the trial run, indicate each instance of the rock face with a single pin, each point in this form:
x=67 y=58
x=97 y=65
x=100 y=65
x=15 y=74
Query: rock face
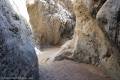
x=67 y=4
x=52 y=24
x=109 y=18
x=90 y=44
x=18 y=59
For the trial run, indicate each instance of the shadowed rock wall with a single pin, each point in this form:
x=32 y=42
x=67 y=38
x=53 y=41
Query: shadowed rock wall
x=17 y=55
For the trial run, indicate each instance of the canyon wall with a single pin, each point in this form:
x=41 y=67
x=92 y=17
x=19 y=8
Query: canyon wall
x=52 y=23
x=67 y=4
x=109 y=20
x=18 y=59
x=90 y=43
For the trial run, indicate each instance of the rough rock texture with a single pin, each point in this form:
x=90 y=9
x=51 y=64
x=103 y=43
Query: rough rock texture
x=51 y=22
x=67 y=4
x=89 y=43
x=87 y=35
x=18 y=59
x=109 y=16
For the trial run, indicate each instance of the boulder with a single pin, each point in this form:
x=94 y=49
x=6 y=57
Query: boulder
x=18 y=59
x=109 y=20
x=52 y=24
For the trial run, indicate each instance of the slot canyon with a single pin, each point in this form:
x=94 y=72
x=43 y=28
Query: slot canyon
x=59 y=40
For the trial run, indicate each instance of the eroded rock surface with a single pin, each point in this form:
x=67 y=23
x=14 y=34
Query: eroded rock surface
x=90 y=44
x=67 y=4
x=18 y=59
x=52 y=23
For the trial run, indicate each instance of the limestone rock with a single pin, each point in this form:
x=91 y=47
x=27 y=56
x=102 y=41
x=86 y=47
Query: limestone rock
x=52 y=23
x=18 y=59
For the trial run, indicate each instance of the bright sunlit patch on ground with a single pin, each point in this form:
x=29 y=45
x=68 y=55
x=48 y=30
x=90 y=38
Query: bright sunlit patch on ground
x=37 y=51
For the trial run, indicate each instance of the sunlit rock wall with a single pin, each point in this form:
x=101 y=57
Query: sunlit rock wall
x=51 y=22
x=90 y=44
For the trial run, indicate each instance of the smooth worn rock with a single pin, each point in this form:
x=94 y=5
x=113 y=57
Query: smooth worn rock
x=18 y=59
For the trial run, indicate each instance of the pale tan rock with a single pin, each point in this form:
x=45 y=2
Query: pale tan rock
x=89 y=43
x=51 y=22
x=67 y=4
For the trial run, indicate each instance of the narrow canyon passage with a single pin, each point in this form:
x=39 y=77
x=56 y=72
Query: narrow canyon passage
x=66 y=70
x=82 y=39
